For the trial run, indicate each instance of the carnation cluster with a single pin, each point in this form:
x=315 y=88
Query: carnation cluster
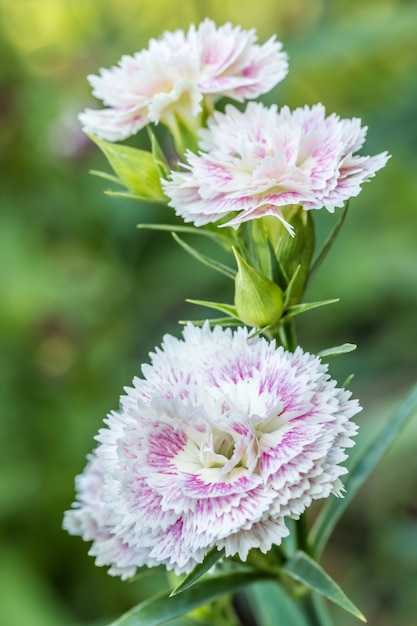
x=224 y=437
x=227 y=434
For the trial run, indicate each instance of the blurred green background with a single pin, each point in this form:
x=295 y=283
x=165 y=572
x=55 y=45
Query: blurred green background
x=84 y=295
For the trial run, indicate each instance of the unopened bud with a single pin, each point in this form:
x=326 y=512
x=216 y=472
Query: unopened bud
x=258 y=300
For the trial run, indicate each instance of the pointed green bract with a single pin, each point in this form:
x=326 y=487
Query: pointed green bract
x=328 y=243
x=304 y=569
x=360 y=470
x=296 y=309
x=218 y=306
x=163 y=608
x=135 y=168
x=205 y=260
x=342 y=349
x=158 y=154
x=106 y=176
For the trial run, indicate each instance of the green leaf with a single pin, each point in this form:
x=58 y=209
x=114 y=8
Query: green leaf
x=328 y=243
x=218 y=306
x=205 y=260
x=360 y=470
x=272 y=606
x=200 y=569
x=161 y=608
x=342 y=349
x=305 y=570
x=296 y=309
x=135 y=168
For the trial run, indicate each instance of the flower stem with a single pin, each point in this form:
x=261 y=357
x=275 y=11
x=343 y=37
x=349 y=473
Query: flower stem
x=287 y=334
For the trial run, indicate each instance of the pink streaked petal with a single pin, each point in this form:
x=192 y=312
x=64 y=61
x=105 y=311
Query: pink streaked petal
x=262 y=535
x=113 y=124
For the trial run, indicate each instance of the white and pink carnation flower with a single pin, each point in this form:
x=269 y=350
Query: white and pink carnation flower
x=224 y=437
x=177 y=72
x=254 y=163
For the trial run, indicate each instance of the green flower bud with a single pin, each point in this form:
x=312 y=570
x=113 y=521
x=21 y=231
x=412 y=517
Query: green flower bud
x=258 y=301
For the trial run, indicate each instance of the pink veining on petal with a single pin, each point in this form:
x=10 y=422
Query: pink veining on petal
x=254 y=162
x=177 y=71
x=258 y=436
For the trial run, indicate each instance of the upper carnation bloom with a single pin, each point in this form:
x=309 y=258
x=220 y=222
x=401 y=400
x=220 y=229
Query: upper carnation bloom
x=255 y=162
x=223 y=438
x=173 y=76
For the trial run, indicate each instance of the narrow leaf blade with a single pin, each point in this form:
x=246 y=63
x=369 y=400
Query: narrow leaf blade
x=273 y=606
x=359 y=472
x=162 y=608
x=210 y=559
x=342 y=349
x=297 y=309
x=216 y=321
x=328 y=243
x=205 y=260
x=304 y=569
x=218 y=306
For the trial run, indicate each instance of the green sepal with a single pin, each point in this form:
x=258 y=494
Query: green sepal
x=258 y=301
x=291 y=286
x=135 y=168
x=258 y=247
x=161 y=608
x=342 y=349
x=200 y=569
x=158 y=154
x=297 y=309
x=272 y=605
x=360 y=467
x=298 y=250
x=228 y=309
x=205 y=260
x=305 y=570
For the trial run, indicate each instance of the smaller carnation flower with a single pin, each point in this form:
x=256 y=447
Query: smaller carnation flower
x=172 y=77
x=253 y=163
x=223 y=438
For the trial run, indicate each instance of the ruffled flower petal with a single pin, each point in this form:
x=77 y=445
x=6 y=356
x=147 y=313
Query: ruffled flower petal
x=178 y=71
x=253 y=163
x=222 y=438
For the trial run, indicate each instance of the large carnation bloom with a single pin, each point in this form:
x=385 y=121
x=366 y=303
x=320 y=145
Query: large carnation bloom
x=172 y=76
x=223 y=438
x=255 y=162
